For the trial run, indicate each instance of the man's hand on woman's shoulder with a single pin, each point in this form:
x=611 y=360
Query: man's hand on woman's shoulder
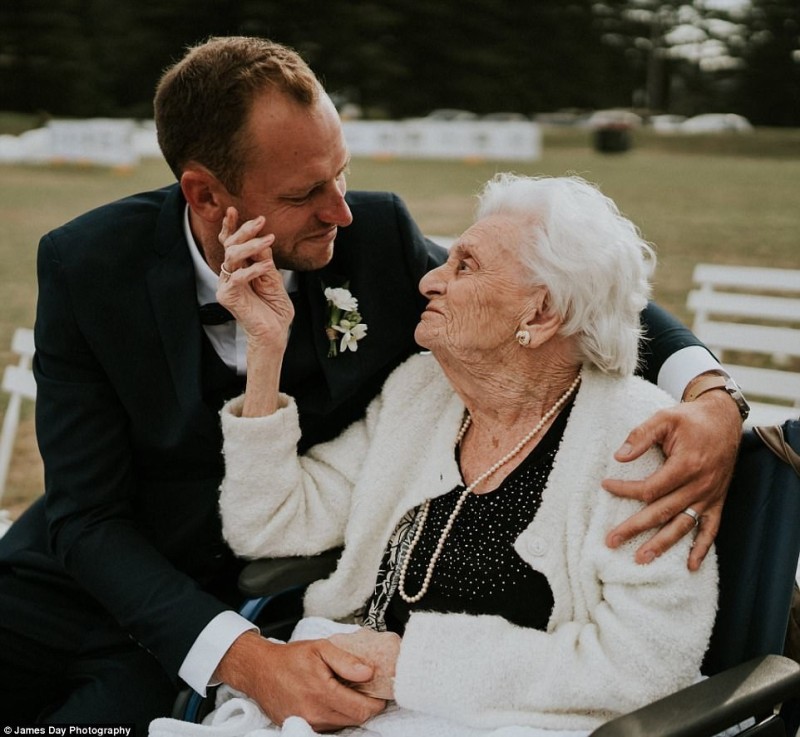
x=700 y=440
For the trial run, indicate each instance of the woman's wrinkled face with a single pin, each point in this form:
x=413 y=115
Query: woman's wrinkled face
x=479 y=296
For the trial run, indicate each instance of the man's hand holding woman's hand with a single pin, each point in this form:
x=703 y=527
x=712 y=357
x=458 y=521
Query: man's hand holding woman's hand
x=305 y=679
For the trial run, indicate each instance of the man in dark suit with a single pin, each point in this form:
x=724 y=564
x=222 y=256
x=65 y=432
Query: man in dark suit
x=117 y=584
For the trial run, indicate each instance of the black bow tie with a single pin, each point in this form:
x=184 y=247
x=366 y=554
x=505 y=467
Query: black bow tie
x=214 y=313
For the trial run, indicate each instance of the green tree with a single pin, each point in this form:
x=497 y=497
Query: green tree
x=46 y=61
x=769 y=86
x=351 y=44
x=676 y=51
x=406 y=57
x=97 y=57
x=493 y=55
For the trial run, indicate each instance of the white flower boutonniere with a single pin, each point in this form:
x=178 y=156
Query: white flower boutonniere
x=344 y=328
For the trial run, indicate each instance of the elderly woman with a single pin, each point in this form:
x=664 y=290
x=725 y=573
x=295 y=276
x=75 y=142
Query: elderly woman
x=469 y=499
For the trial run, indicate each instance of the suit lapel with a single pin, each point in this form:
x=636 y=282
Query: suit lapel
x=344 y=370
x=173 y=297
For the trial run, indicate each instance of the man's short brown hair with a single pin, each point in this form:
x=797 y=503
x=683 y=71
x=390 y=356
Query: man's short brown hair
x=202 y=102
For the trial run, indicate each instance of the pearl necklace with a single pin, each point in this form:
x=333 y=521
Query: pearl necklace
x=401 y=588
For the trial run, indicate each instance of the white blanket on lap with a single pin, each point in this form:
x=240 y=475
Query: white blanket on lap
x=238 y=716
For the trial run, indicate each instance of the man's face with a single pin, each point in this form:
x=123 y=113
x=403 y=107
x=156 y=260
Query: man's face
x=295 y=177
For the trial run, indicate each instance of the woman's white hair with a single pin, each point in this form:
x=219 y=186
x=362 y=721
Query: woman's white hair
x=593 y=261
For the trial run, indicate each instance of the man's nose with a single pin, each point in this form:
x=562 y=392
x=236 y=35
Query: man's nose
x=335 y=210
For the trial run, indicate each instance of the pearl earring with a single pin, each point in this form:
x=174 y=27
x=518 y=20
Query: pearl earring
x=523 y=337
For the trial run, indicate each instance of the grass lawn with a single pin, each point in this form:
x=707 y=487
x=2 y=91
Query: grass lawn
x=722 y=199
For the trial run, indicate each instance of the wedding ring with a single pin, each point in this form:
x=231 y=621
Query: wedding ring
x=693 y=515
x=223 y=270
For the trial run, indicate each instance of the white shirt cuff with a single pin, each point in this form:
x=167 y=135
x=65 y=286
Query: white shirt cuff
x=198 y=667
x=682 y=366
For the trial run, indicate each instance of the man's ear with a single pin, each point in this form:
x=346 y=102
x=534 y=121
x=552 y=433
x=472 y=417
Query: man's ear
x=205 y=194
x=540 y=320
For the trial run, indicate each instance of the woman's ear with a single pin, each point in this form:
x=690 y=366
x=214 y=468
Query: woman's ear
x=540 y=320
x=205 y=194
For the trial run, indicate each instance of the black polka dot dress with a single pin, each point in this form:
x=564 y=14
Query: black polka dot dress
x=479 y=572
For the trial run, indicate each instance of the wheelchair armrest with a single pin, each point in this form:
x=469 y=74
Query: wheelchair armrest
x=271 y=576
x=751 y=689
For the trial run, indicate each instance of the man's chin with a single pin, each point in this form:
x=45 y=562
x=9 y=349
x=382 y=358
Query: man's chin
x=310 y=255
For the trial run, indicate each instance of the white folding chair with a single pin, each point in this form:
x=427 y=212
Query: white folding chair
x=19 y=383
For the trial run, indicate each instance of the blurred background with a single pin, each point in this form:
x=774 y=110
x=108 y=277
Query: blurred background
x=403 y=58
x=686 y=113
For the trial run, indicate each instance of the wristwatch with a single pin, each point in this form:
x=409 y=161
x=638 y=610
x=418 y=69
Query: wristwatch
x=719 y=380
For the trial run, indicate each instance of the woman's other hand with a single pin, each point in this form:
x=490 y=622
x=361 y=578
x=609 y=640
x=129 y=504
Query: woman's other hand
x=379 y=649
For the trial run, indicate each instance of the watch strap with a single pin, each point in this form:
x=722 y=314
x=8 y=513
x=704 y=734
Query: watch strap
x=705 y=384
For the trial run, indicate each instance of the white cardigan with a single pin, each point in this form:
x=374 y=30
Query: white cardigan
x=620 y=634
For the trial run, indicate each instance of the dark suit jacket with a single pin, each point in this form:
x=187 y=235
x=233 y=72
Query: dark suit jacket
x=130 y=441
x=130 y=444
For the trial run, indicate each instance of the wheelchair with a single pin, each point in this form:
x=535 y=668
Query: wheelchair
x=749 y=679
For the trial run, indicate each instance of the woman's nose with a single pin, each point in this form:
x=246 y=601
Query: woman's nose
x=432 y=283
